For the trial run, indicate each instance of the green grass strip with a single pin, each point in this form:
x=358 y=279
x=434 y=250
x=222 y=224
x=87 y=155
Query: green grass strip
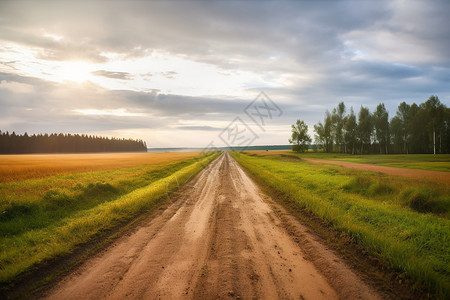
x=414 y=243
x=20 y=252
x=431 y=162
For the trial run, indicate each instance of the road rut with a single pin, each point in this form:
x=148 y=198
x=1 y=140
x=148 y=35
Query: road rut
x=219 y=239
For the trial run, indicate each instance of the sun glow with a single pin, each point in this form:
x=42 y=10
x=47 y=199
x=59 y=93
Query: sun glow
x=162 y=71
x=120 y=112
x=72 y=71
x=26 y=62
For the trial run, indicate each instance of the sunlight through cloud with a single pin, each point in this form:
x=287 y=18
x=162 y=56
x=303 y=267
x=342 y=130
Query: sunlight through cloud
x=121 y=112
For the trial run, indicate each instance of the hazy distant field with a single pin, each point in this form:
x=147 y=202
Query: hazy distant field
x=440 y=162
x=404 y=221
x=49 y=204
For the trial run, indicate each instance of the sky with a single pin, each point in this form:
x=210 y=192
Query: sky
x=199 y=73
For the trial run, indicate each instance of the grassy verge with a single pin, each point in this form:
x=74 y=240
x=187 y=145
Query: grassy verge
x=44 y=218
x=439 y=162
x=374 y=210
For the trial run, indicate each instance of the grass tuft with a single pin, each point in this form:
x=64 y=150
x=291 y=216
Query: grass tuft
x=422 y=199
x=367 y=186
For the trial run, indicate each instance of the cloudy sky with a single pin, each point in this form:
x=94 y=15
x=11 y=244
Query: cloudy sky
x=179 y=73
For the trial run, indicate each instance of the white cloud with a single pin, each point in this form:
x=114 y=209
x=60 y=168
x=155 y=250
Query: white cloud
x=388 y=46
x=119 y=112
x=168 y=69
x=53 y=37
x=16 y=87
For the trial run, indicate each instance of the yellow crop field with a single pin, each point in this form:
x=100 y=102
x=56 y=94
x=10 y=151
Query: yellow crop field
x=52 y=204
x=20 y=167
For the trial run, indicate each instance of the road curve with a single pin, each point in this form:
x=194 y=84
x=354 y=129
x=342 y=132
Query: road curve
x=219 y=239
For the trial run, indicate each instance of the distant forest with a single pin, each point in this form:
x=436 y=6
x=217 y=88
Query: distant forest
x=65 y=143
x=423 y=128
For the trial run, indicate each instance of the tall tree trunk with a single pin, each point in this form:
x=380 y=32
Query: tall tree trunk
x=434 y=140
x=386 y=145
x=404 y=145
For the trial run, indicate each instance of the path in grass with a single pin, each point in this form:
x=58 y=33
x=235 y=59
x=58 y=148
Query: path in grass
x=220 y=239
x=392 y=171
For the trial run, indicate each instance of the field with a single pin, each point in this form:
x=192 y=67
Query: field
x=50 y=204
x=403 y=221
x=53 y=205
x=439 y=162
x=218 y=239
x=21 y=167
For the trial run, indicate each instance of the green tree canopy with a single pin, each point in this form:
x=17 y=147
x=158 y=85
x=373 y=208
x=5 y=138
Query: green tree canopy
x=381 y=123
x=351 y=127
x=415 y=128
x=324 y=132
x=365 y=127
x=338 y=118
x=299 y=136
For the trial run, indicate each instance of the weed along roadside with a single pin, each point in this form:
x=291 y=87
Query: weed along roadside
x=39 y=223
x=383 y=214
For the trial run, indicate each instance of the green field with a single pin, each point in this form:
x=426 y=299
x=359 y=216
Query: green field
x=405 y=222
x=440 y=162
x=51 y=215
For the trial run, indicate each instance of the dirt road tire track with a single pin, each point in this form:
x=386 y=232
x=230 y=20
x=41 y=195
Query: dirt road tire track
x=220 y=239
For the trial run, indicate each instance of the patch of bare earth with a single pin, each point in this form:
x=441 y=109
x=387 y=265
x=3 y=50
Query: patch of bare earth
x=220 y=239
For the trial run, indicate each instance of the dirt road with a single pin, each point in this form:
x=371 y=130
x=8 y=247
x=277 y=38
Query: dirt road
x=220 y=239
x=443 y=177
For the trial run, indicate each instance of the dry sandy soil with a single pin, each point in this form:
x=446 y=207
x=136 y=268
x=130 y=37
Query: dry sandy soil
x=443 y=177
x=221 y=238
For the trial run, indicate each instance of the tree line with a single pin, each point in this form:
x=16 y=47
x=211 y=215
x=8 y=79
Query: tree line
x=415 y=128
x=65 y=143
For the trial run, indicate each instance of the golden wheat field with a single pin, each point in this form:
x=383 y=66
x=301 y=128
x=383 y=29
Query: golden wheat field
x=21 y=167
x=52 y=204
